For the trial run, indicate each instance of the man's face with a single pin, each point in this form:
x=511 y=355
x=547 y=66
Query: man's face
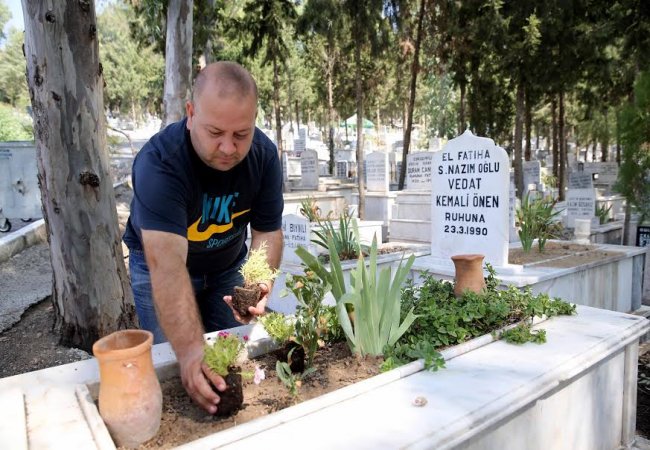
x=221 y=128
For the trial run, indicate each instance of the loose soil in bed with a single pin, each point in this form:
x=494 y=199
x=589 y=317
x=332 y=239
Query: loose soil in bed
x=183 y=421
x=559 y=255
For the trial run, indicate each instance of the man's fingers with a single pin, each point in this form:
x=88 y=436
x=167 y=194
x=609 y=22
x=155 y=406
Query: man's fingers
x=228 y=300
x=260 y=308
x=199 y=389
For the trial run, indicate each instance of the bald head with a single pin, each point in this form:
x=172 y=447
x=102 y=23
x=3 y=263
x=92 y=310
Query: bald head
x=226 y=79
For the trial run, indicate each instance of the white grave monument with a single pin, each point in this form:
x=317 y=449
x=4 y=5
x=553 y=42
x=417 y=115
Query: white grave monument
x=580 y=180
x=470 y=200
x=418 y=171
x=377 y=172
x=581 y=204
x=513 y=235
x=607 y=171
x=296 y=232
x=309 y=169
x=532 y=175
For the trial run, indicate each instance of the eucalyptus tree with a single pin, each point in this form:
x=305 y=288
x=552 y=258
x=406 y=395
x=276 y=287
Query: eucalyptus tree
x=415 y=69
x=5 y=16
x=178 y=60
x=369 y=29
x=91 y=292
x=133 y=73
x=266 y=23
x=13 y=87
x=323 y=25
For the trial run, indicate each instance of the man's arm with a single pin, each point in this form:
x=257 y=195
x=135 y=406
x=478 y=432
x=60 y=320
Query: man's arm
x=274 y=241
x=166 y=255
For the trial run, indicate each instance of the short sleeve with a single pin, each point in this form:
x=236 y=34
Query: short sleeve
x=269 y=203
x=160 y=195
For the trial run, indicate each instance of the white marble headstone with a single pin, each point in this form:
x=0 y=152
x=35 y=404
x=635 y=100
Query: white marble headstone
x=580 y=180
x=377 y=172
x=296 y=232
x=607 y=171
x=309 y=169
x=418 y=171
x=470 y=197
x=341 y=169
x=532 y=174
x=513 y=236
x=580 y=204
x=435 y=144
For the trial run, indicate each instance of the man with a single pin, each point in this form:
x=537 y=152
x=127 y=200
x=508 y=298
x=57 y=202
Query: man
x=197 y=185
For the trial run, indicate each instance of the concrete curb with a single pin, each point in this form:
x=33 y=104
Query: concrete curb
x=16 y=242
x=32 y=234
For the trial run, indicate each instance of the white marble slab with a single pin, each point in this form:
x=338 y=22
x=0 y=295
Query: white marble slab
x=477 y=391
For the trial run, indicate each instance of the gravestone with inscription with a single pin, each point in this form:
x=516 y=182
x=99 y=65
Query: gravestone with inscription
x=513 y=236
x=580 y=204
x=377 y=172
x=470 y=200
x=418 y=171
x=607 y=172
x=296 y=232
x=309 y=169
x=532 y=175
x=580 y=180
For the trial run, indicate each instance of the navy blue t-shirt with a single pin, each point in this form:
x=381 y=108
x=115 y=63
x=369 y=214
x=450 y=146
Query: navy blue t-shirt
x=174 y=191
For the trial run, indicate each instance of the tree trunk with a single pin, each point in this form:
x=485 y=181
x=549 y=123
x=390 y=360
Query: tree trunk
x=361 y=182
x=562 y=142
x=618 y=137
x=555 y=145
x=519 y=125
x=330 y=108
x=209 y=22
x=461 y=108
x=528 y=121
x=297 y=117
x=276 y=108
x=605 y=150
x=415 y=68
x=90 y=292
x=178 y=60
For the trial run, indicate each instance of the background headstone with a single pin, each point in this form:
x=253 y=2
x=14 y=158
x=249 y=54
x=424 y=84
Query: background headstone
x=470 y=200
x=296 y=234
x=607 y=171
x=643 y=236
x=377 y=172
x=512 y=233
x=532 y=175
x=418 y=171
x=580 y=204
x=309 y=169
x=580 y=180
x=341 y=169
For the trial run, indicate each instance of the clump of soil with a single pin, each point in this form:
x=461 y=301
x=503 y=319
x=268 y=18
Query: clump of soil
x=183 y=421
x=244 y=298
x=559 y=255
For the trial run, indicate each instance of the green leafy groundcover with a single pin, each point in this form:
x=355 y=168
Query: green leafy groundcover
x=444 y=320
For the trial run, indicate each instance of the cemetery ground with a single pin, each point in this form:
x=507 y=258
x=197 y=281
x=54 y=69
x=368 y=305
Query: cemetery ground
x=30 y=344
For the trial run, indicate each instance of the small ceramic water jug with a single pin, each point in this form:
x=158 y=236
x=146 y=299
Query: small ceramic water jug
x=469 y=273
x=130 y=398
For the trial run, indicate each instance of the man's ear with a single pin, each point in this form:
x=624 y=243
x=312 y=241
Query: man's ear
x=189 y=112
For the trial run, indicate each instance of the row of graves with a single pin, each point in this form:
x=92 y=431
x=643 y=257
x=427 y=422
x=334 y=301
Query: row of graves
x=461 y=200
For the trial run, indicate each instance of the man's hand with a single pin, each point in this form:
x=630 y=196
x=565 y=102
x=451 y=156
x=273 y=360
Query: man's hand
x=258 y=310
x=195 y=375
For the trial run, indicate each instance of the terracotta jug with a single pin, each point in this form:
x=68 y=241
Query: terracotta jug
x=130 y=398
x=469 y=273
